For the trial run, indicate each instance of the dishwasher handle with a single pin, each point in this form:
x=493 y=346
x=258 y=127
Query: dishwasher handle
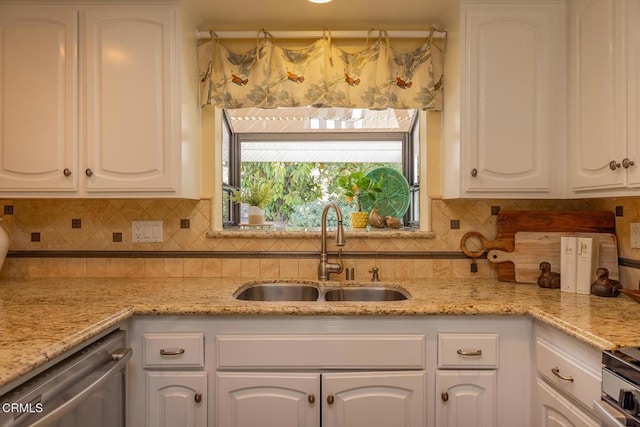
x=120 y=359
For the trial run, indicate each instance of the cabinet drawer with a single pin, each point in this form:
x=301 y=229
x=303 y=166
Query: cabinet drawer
x=321 y=351
x=567 y=372
x=173 y=350
x=473 y=351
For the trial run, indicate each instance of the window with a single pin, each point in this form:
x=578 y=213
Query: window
x=302 y=151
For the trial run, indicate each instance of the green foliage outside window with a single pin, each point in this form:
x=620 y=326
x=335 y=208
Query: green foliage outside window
x=301 y=189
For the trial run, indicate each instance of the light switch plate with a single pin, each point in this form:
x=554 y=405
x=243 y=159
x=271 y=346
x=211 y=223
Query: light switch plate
x=635 y=235
x=147 y=231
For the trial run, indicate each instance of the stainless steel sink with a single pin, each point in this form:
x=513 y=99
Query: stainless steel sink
x=279 y=292
x=365 y=293
x=283 y=291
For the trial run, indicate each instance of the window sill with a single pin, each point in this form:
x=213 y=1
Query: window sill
x=248 y=233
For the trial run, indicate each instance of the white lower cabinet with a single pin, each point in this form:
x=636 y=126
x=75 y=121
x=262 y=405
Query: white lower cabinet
x=568 y=380
x=247 y=399
x=374 y=399
x=556 y=411
x=175 y=399
x=347 y=399
x=466 y=398
x=330 y=371
x=466 y=379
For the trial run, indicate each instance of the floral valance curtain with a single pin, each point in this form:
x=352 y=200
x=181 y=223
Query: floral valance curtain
x=323 y=75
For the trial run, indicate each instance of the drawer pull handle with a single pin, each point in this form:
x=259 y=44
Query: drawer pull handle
x=197 y=397
x=311 y=398
x=470 y=353
x=164 y=352
x=330 y=399
x=444 y=396
x=556 y=371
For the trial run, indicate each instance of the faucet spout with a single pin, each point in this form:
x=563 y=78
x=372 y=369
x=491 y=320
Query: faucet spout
x=325 y=267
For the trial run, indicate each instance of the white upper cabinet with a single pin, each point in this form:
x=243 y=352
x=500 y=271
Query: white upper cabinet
x=604 y=45
x=512 y=101
x=131 y=107
x=92 y=103
x=38 y=99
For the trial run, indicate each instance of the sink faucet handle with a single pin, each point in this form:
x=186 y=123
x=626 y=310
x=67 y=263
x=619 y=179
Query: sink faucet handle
x=374 y=274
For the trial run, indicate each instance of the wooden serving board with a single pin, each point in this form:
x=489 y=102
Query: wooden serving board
x=531 y=248
x=510 y=222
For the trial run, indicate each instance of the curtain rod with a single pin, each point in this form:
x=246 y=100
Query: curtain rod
x=397 y=34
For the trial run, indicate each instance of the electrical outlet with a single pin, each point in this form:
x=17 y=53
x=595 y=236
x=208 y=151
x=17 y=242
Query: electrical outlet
x=146 y=231
x=635 y=235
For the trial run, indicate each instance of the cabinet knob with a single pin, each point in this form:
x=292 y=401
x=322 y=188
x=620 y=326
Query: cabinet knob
x=198 y=397
x=613 y=165
x=311 y=398
x=445 y=396
x=88 y=172
x=330 y=399
x=474 y=172
x=626 y=163
x=66 y=172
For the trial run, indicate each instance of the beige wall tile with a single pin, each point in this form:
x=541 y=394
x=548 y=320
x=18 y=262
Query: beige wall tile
x=102 y=217
x=125 y=267
x=154 y=267
x=423 y=268
x=174 y=267
x=212 y=267
x=96 y=267
x=288 y=268
x=193 y=267
x=231 y=267
x=250 y=268
x=269 y=268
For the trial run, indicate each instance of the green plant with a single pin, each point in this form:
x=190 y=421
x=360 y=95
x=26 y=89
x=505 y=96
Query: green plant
x=356 y=186
x=257 y=193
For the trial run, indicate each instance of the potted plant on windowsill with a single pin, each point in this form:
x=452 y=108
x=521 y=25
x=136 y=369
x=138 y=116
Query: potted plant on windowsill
x=257 y=195
x=357 y=186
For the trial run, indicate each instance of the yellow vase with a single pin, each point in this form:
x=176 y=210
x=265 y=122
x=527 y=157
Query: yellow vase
x=359 y=219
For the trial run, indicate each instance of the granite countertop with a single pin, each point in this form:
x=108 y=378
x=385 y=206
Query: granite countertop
x=41 y=319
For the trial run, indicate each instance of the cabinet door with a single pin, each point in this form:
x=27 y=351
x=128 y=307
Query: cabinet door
x=374 y=399
x=633 y=91
x=510 y=67
x=177 y=399
x=553 y=410
x=466 y=398
x=247 y=399
x=597 y=93
x=132 y=105
x=38 y=98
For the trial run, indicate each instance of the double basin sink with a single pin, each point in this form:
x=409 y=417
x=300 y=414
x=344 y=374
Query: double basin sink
x=282 y=291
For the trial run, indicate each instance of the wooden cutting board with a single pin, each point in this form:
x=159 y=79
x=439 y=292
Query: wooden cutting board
x=510 y=222
x=531 y=248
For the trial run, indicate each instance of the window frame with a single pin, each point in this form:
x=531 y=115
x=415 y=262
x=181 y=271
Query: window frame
x=409 y=169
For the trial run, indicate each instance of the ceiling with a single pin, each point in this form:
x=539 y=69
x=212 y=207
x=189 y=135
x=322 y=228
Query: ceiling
x=337 y=15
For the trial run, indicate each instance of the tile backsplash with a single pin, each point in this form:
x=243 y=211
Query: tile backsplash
x=105 y=225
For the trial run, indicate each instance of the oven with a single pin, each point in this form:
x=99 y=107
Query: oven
x=620 y=403
x=86 y=388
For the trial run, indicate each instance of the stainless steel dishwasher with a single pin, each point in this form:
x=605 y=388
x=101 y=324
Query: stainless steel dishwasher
x=87 y=388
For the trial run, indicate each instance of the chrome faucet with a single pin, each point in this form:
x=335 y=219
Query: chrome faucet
x=325 y=267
